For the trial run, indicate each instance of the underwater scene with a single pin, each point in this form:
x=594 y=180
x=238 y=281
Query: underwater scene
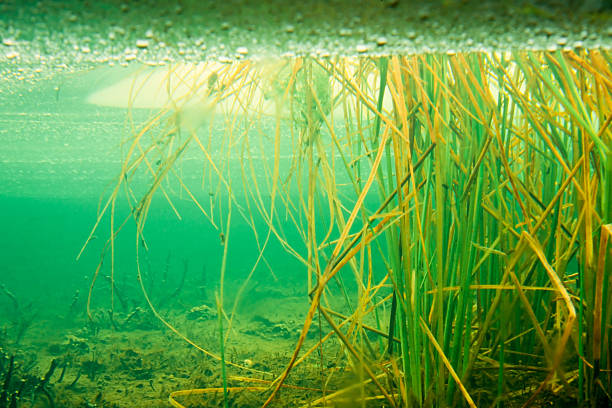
x=428 y=230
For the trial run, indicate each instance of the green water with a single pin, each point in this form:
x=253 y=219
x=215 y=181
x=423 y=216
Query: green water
x=60 y=157
x=59 y=154
x=231 y=218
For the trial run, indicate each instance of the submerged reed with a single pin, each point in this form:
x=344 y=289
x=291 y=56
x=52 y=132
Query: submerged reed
x=472 y=193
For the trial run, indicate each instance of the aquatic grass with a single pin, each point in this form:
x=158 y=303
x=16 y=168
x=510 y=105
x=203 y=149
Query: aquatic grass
x=479 y=183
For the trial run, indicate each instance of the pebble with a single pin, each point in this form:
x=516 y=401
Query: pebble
x=142 y=43
x=290 y=28
x=12 y=54
x=130 y=57
x=8 y=42
x=361 y=48
x=380 y=41
x=242 y=50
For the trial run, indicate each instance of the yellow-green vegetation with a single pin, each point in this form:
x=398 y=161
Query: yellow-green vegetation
x=468 y=196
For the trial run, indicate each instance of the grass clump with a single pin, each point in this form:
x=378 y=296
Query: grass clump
x=463 y=204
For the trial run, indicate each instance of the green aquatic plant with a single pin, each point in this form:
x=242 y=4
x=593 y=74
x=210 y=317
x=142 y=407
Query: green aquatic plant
x=462 y=204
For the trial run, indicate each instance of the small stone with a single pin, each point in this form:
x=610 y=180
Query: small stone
x=225 y=25
x=562 y=41
x=411 y=35
x=380 y=41
x=149 y=33
x=423 y=14
x=202 y=312
x=361 y=48
x=85 y=49
x=546 y=30
x=130 y=57
x=242 y=50
x=290 y=28
x=12 y=54
x=8 y=42
x=142 y=43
